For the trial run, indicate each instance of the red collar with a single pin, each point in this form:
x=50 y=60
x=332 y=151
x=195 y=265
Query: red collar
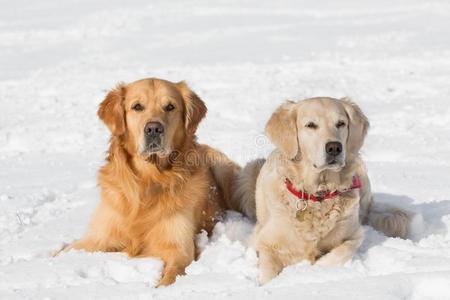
x=356 y=184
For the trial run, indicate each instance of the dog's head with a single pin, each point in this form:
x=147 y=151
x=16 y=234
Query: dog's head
x=324 y=131
x=153 y=116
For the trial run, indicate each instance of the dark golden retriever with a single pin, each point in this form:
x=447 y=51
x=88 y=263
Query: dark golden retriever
x=159 y=187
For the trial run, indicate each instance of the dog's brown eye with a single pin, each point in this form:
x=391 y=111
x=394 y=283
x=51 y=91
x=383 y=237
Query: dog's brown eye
x=340 y=124
x=311 y=125
x=137 y=107
x=169 y=107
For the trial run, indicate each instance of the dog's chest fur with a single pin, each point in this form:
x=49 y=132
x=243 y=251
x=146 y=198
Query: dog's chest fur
x=318 y=227
x=159 y=208
x=320 y=218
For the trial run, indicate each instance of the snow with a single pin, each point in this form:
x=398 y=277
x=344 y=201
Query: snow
x=58 y=58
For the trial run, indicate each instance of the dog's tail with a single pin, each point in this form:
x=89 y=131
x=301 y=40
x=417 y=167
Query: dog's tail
x=390 y=220
x=245 y=186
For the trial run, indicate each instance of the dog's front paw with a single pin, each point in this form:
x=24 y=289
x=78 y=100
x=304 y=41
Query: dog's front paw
x=267 y=273
x=331 y=260
x=169 y=276
x=265 y=277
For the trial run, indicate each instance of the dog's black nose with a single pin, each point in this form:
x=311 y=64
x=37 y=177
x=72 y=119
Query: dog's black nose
x=153 y=129
x=333 y=148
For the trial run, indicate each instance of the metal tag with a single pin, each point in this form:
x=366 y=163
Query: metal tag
x=300 y=215
x=301 y=210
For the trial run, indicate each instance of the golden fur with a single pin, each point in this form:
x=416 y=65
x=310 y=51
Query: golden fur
x=327 y=232
x=153 y=204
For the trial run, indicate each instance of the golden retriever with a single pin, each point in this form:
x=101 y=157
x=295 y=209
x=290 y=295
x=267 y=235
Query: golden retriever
x=313 y=192
x=159 y=187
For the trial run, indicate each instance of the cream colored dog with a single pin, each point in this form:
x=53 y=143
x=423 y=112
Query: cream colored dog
x=313 y=193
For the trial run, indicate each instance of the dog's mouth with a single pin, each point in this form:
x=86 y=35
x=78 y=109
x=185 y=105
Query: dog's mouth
x=153 y=148
x=333 y=164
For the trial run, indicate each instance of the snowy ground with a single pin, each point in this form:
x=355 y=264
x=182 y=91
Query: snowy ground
x=57 y=59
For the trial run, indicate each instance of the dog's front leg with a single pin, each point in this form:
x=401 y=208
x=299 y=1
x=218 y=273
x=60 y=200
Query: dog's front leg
x=86 y=244
x=269 y=265
x=176 y=259
x=172 y=240
x=344 y=252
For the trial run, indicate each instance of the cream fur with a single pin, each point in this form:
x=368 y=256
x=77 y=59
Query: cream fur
x=327 y=233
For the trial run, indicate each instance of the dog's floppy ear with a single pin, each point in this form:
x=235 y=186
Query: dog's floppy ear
x=195 y=108
x=358 y=126
x=112 y=112
x=282 y=129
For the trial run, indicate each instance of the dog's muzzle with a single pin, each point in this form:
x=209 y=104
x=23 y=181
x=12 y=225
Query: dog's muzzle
x=333 y=152
x=154 y=132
